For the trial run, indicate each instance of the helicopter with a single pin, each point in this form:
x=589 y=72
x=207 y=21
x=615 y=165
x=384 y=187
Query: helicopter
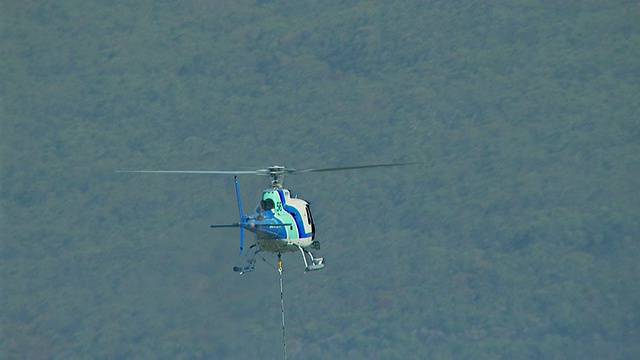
x=281 y=222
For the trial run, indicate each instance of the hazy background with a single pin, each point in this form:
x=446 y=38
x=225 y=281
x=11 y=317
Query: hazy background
x=517 y=238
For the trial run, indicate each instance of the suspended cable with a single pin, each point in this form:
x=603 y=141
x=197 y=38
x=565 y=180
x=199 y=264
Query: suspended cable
x=284 y=338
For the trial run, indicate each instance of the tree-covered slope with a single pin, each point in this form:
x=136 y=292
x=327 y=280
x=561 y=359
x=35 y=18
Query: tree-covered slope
x=517 y=236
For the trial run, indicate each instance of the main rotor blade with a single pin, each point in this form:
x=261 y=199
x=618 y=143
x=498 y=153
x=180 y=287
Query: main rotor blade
x=241 y=172
x=271 y=171
x=352 y=167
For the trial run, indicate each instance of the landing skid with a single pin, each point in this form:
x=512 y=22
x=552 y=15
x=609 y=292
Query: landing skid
x=316 y=263
x=311 y=263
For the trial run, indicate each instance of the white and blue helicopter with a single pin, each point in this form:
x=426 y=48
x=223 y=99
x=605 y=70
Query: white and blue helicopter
x=281 y=223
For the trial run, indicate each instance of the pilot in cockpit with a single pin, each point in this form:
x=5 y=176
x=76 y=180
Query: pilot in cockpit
x=267 y=204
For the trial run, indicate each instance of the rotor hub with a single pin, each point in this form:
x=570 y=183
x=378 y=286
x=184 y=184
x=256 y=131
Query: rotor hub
x=276 y=173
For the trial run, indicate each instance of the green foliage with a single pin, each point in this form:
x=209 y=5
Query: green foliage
x=517 y=238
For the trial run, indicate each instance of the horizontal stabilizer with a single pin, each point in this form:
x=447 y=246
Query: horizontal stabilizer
x=225 y=225
x=247 y=225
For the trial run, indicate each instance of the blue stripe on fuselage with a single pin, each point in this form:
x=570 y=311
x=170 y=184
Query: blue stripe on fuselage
x=295 y=214
x=275 y=232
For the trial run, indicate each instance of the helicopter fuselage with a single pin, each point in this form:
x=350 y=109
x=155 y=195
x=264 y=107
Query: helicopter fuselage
x=281 y=223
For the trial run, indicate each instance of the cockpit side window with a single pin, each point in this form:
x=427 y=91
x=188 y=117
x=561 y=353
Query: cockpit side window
x=267 y=204
x=309 y=218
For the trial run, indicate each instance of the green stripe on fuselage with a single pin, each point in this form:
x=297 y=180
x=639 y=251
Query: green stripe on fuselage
x=279 y=212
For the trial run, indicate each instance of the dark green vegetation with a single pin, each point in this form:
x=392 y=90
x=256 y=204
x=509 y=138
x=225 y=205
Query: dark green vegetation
x=518 y=238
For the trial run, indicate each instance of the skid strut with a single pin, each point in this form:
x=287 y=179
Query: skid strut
x=249 y=262
x=316 y=263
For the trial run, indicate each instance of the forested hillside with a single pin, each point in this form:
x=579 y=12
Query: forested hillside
x=517 y=237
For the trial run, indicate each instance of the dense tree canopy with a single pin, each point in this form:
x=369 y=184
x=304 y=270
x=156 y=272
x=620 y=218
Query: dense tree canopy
x=517 y=237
